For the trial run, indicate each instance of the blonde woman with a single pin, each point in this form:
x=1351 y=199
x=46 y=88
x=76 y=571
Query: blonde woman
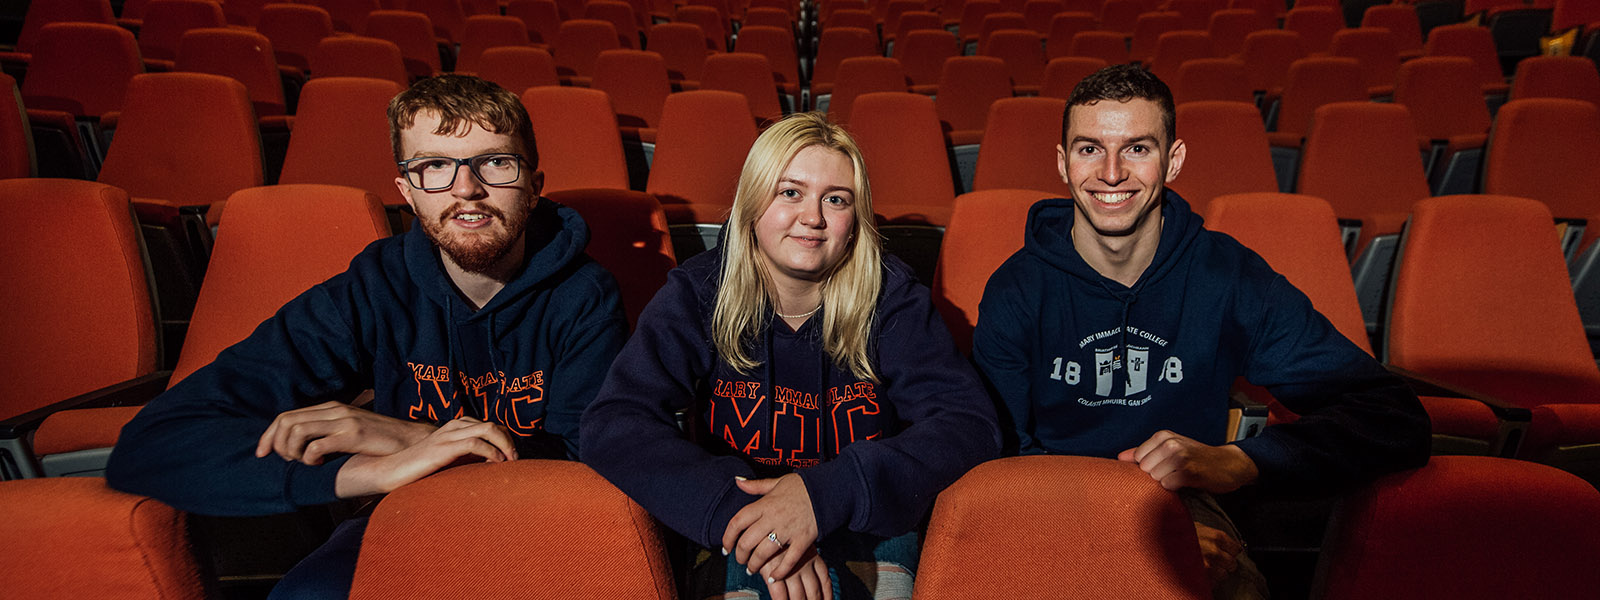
x=827 y=405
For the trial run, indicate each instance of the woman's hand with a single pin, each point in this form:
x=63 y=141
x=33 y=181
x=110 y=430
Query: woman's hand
x=772 y=534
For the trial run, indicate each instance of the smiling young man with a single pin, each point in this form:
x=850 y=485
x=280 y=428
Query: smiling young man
x=483 y=333
x=1119 y=328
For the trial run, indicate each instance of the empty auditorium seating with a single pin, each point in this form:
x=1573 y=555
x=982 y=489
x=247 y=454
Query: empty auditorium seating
x=1227 y=152
x=702 y=144
x=863 y=75
x=40 y=14
x=1063 y=26
x=243 y=55
x=778 y=46
x=620 y=16
x=1023 y=53
x=1229 y=27
x=1448 y=110
x=1519 y=163
x=348 y=15
x=541 y=17
x=986 y=228
x=1472 y=42
x=79 y=72
x=1572 y=77
x=900 y=140
x=748 y=74
x=1313 y=82
x=76 y=538
x=295 y=31
x=448 y=17
x=578 y=43
x=1400 y=20
x=711 y=22
x=1062 y=74
x=341 y=137
x=1316 y=26
x=16 y=145
x=834 y=46
x=988 y=528
x=1211 y=79
x=1267 y=56
x=637 y=83
x=1174 y=48
x=1148 y=29
x=1464 y=527
x=683 y=46
x=78 y=310
x=165 y=22
x=628 y=236
x=922 y=55
x=359 y=57
x=1377 y=52
x=1108 y=46
x=412 y=33
x=968 y=87
x=579 y=144
x=608 y=544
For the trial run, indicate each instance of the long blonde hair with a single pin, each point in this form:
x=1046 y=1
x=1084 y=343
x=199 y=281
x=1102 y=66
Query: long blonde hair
x=849 y=291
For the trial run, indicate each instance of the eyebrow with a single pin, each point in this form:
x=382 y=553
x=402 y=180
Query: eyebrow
x=1149 y=139
x=495 y=150
x=831 y=188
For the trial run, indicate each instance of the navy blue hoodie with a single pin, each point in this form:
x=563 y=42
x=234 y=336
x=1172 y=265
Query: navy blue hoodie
x=1087 y=366
x=531 y=359
x=873 y=455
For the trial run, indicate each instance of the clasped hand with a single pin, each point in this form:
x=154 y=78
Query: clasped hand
x=777 y=533
x=387 y=452
x=1179 y=462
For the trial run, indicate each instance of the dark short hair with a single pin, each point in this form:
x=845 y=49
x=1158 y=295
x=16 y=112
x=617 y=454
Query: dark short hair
x=1123 y=83
x=461 y=100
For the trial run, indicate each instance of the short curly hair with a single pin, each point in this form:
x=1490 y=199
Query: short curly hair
x=461 y=100
x=1123 y=83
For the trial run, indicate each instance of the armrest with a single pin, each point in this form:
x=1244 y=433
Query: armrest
x=132 y=392
x=1514 y=419
x=1246 y=416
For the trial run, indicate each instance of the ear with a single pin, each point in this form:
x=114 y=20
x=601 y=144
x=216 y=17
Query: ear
x=405 y=191
x=536 y=182
x=1175 y=158
x=1061 y=163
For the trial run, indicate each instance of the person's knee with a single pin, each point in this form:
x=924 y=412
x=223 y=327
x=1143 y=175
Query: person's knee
x=894 y=582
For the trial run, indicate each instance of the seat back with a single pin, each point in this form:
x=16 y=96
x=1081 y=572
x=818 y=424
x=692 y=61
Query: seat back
x=579 y=143
x=988 y=527
x=1229 y=27
x=1316 y=25
x=1314 y=82
x=1062 y=74
x=1203 y=79
x=359 y=57
x=637 y=83
x=905 y=154
x=1120 y=16
x=165 y=22
x=1375 y=48
x=749 y=75
x=1443 y=96
x=609 y=546
x=1174 y=48
x=1572 y=77
x=243 y=55
x=683 y=46
x=1267 y=56
x=863 y=75
x=78 y=312
x=449 y=18
x=1148 y=29
x=834 y=46
x=1567 y=184
x=348 y=15
x=620 y=15
x=628 y=236
x=1019 y=146
x=700 y=152
x=711 y=22
x=341 y=137
x=579 y=43
x=187 y=138
x=1400 y=20
x=1227 y=152
x=1534 y=532
x=16 y=144
x=1481 y=298
x=968 y=86
x=121 y=545
x=1062 y=27
x=1108 y=46
x=1379 y=142
x=1471 y=41
x=295 y=31
x=986 y=228
x=1023 y=53
x=412 y=32
x=1299 y=238
x=923 y=53
x=778 y=46
x=1573 y=13
x=267 y=253
x=1040 y=14
x=81 y=68
x=540 y=17
x=62 y=11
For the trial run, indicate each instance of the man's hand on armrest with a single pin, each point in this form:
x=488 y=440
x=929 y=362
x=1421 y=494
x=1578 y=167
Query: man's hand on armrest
x=367 y=474
x=310 y=434
x=1179 y=462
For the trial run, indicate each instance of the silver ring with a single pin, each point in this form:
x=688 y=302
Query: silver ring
x=773 y=537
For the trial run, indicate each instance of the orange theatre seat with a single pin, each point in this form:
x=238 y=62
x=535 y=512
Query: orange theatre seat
x=487 y=31
x=359 y=57
x=295 y=31
x=78 y=314
x=76 y=538
x=40 y=14
x=16 y=146
x=701 y=147
x=608 y=545
x=1482 y=302
x=968 y=86
x=1228 y=152
x=579 y=143
x=348 y=15
x=1019 y=147
x=986 y=228
x=900 y=140
x=1572 y=77
x=578 y=44
x=1465 y=528
x=165 y=22
x=1063 y=73
x=863 y=75
x=1567 y=183
x=518 y=69
x=80 y=71
x=988 y=529
x=628 y=236
x=412 y=33
x=749 y=75
x=341 y=137
x=266 y=254
x=1451 y=118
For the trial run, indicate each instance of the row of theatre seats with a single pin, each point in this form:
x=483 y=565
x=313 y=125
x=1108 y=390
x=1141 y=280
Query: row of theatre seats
x=1461 y=528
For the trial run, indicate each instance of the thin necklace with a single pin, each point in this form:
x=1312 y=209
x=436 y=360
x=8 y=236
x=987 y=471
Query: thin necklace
x=801 y=315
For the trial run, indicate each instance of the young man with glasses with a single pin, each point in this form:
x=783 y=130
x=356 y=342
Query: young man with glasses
x=483 y=332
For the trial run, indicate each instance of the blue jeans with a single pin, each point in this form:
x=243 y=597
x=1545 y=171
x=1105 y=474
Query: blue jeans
x=326 y=572
x=855 y=561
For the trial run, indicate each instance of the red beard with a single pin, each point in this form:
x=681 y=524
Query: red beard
x=477 y=251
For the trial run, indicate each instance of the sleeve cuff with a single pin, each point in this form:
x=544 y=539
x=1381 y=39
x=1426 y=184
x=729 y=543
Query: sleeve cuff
x=833 y=487
x=309 y=485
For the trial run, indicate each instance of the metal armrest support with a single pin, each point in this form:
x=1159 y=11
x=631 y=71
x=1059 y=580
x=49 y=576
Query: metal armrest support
x=132 y=392
x=1246 y=417
x=1513 y=419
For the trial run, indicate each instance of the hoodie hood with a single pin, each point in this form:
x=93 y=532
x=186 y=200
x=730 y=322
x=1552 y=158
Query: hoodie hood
x=1049 y=237
x=556 y=236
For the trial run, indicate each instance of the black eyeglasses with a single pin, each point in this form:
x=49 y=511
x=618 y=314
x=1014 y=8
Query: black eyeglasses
x=435 y=173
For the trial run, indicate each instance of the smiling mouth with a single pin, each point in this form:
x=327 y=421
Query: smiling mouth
x=1111 y=197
